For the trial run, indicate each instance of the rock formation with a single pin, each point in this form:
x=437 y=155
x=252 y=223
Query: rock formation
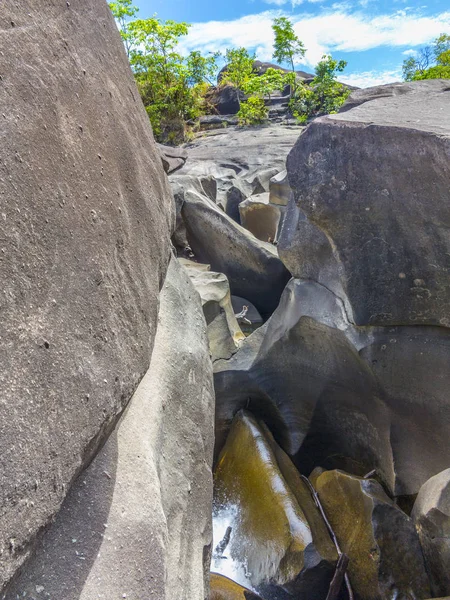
x=86 y=219
x=318 y=294
x=137 y=522
x=431 y=514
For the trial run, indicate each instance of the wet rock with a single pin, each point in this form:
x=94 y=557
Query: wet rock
x=381 y=542
x=431 y=514
x=278 y=534
x=85 y=226
x=149 y=487
x=259 y=217
x=223 y=331
x=252 y=267
x=386 y=223
x=223 y=588
x=302 y=374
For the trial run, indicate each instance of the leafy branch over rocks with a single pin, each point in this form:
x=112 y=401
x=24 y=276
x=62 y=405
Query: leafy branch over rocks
x=431 y=62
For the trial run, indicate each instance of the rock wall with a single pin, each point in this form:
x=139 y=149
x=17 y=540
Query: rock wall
x=137 y=522
x=86 y=215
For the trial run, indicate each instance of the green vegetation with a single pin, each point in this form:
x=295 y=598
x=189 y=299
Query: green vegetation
x=324 y=95
x=175 y=88
x=432 y=62
x=287 y=46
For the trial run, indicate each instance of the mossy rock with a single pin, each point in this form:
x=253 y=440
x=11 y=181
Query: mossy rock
x=279 y=535
x=386 y=561
x=223 y=588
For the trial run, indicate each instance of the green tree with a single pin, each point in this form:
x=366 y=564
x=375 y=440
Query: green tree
x=431 y=62
x=287 y=46
x=324 y=95
x=123 y=11
x=268 y=83
x=172 y=87
x=239 y=69
x=253 y=111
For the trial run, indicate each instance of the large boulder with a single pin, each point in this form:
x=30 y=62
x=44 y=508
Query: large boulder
x=223 y=588
x=431 y=514
x=301 y=372
x=375 y=181
x=381 y=542
x=137 y=522
x=252 y=267
x=86 y=214
x=278 y=533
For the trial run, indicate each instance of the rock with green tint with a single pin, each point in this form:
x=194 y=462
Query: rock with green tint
x=223 y=588
x=386 y=561
x=278 y=534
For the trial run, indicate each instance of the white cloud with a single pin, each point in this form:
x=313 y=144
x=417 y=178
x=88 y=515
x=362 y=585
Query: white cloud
x=410 y=52
x=338 y=30
x=371 y=78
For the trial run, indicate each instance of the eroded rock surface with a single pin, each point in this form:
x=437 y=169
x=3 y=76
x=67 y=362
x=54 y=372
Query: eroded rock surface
x=86 y=218
x=381 y=542
x=137 y=522
x=278 y=534
x=375 y=181
x=431 y=514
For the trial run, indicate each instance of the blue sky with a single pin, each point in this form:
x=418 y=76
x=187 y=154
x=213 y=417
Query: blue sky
x=373 y=36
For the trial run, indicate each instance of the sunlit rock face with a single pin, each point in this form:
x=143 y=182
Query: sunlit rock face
x=431 y=514
x=278 y=533
x=374 y=180
x=86 y=217
x=386 y=561
x=223 y=588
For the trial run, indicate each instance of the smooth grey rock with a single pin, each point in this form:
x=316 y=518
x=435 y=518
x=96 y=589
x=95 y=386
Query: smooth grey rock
x=302 y=374
x=86 y=213
x=259 y=217
x=340 y=396
x=137 y=522
x=223 y=331
x=431 y=514
x=375 y=180
x=172 y=158
x=279 y=188
x=251 y=266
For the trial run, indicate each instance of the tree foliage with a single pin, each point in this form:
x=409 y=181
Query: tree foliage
x=432 y=62
x=172 y=87
x=325 y=95
x=287 y=46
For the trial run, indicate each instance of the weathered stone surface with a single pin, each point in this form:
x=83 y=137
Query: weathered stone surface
x=301 y=373
x=86 y=217
x=223 y=588
x=411 y=366
x=259 y=217
x=278 y=534
x=172 y=158
x=223 y=331
x=375 y=180
x=381 y=542
x=279 y=188
x=431 y=514
x=137 y=522
x=251 y=266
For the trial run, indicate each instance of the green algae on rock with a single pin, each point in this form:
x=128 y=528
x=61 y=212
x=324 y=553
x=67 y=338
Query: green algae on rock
x=386 y=561
x=278 y=534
